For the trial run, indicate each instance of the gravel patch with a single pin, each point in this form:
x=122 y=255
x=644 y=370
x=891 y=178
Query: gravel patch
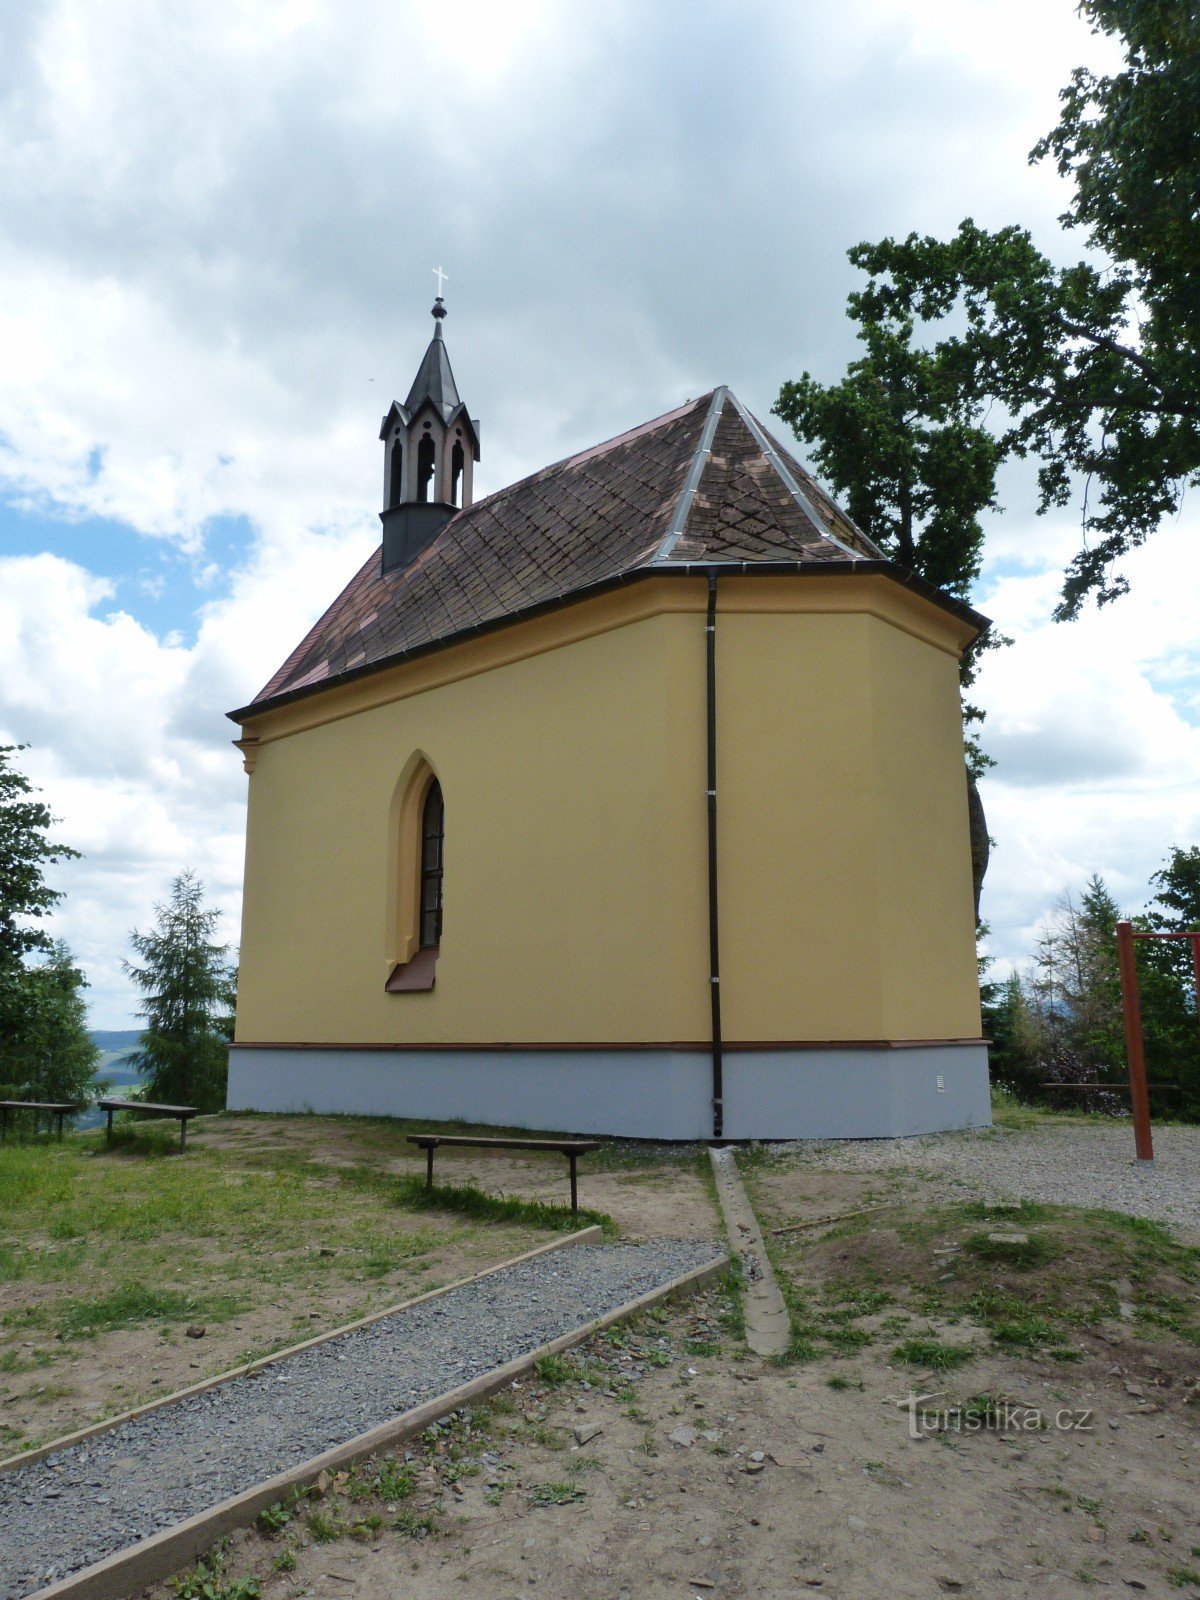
x=1090 y=1165
x=81 y=1504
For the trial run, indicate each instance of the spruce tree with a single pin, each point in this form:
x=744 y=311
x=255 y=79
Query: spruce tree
x=189 y=994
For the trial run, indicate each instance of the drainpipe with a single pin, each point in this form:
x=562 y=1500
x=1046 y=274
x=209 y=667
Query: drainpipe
x=714 y=944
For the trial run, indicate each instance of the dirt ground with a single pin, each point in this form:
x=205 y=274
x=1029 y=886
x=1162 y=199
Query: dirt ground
x=774 y=1484
x=700 y=1470
x=665 y=1195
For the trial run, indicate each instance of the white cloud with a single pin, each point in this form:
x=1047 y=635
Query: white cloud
x=1093 y=727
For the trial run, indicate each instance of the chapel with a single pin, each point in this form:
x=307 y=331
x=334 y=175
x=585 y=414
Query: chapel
x=629 y=799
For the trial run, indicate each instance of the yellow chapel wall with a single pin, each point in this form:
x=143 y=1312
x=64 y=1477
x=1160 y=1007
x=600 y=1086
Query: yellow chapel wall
x=845 y=878
x=552 y=931
x=576 y=894
x=930 y=974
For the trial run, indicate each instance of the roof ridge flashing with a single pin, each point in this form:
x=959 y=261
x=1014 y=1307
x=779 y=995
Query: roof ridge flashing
x=767 y=445
x=700 y=459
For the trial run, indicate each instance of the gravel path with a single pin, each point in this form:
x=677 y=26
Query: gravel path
x=84 y=1503
x=1084 y=1165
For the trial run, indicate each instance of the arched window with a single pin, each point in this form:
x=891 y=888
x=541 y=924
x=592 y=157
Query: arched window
x=456 y=471
x=415 y=861
x=396 y=472
x=425 y=454
x=432 y=850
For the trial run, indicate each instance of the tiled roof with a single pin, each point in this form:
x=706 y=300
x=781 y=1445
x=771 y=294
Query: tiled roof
x=704 y=483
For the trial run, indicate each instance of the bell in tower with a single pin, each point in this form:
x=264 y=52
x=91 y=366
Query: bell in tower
x=430 y=446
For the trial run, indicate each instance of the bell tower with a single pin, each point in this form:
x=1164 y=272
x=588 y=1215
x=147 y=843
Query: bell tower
x=430 y=446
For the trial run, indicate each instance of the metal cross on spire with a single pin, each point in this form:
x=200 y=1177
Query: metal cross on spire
x=441 y=278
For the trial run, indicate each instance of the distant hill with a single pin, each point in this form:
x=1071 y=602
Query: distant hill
x=113 y=1066
x=117 y=1068
x=115 y=1038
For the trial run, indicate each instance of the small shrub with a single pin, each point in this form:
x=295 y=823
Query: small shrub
x=275 y=1518
x=204 y=1582
x=555 y=1494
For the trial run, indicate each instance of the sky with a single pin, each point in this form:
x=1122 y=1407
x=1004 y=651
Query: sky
x=219 y=228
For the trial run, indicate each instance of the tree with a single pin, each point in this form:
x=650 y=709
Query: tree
x=901 y=439
x=1096 y=368
x=1010 y=1028
x=1167 y=979
x=25 y=852
x=1179 y=891
x=1069 y=999
x=45 y=1049
x=1061 y=1021
x=189 y=992
x=49 y=1053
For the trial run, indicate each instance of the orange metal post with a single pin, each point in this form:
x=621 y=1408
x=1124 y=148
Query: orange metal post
x=1133 y=1043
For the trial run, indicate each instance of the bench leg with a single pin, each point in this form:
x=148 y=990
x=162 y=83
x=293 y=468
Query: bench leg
x=429 y=1169
x=60 y=1123
x=3 y=1123
x=110 y=1117
x=574 y=1187
x=182 y=1135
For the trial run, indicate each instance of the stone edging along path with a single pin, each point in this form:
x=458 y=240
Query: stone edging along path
x=103 y=1514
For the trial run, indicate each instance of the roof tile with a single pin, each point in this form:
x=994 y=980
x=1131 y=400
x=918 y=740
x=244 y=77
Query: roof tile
x=607 y=512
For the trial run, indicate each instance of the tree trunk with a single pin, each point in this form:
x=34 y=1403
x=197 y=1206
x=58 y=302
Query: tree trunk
x=981 y=845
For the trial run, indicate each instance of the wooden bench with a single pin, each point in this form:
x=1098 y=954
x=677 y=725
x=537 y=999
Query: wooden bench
x=571 y=1148
x=149 y=1109
x=53 y=1108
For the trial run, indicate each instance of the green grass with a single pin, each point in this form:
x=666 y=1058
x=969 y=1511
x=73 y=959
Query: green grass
x=396 y=1480
x=1035 y=1298
x=732 y=1315
x=467 y=1200
x=14 y=1361
x=416 y=1524
x=555 y=1370
x=98 y=1240
x=132 y=1303
x=934 y=1355
x=1035 y=1250
x=324 y=1528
